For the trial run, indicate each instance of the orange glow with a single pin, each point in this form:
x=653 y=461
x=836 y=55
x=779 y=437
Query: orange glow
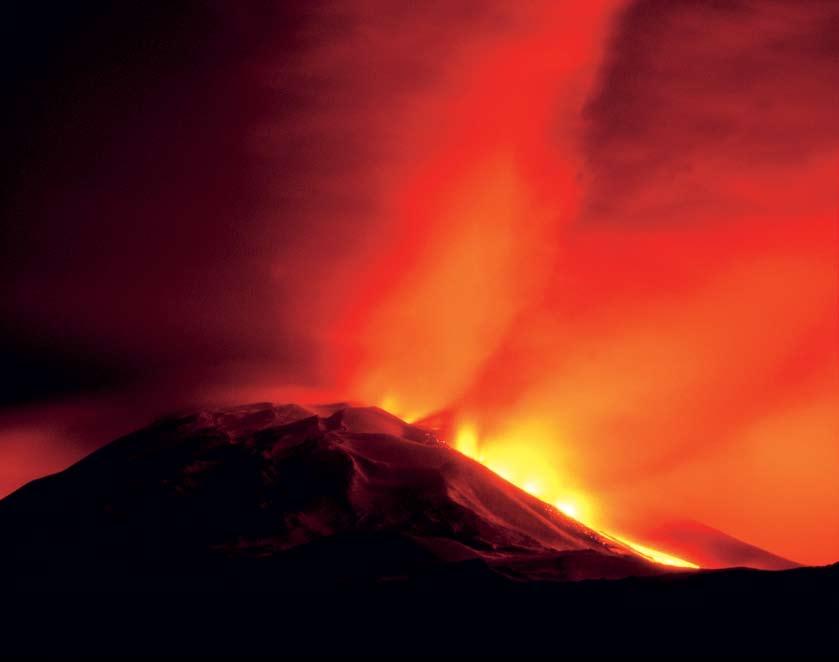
x=518 y=460
x=460 y=267
x=523 y=456
x=659 y=359
x=656 y=555
x=392 y=404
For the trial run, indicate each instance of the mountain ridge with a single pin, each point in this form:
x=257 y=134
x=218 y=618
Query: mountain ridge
x=259 y=481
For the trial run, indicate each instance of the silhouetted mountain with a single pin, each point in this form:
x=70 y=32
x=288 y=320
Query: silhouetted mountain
x=328 y=494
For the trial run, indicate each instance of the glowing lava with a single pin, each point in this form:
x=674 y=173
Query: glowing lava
x=654 y=554
x=522 y=465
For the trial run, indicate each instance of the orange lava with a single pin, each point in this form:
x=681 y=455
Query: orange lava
x=518 y=460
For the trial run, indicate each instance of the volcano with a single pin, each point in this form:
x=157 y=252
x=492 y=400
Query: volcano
x=367 y=495
x=338 y=528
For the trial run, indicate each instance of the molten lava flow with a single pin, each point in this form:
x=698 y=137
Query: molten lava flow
x=521 y=464
x=654 y=554
x=517 y=456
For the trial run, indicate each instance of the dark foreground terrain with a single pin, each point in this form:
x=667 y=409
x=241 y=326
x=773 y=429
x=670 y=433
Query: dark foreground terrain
x=283 y=529
x=463 y=611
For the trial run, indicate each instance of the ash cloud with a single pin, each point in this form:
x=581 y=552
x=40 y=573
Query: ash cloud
x=710 y=108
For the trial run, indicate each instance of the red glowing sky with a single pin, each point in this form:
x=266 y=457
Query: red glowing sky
x=613 y=223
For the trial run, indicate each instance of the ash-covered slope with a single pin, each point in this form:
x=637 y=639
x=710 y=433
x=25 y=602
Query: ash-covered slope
x=318 y=495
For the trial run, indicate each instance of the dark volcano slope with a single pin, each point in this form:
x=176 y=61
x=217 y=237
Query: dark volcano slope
x=286 y=495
